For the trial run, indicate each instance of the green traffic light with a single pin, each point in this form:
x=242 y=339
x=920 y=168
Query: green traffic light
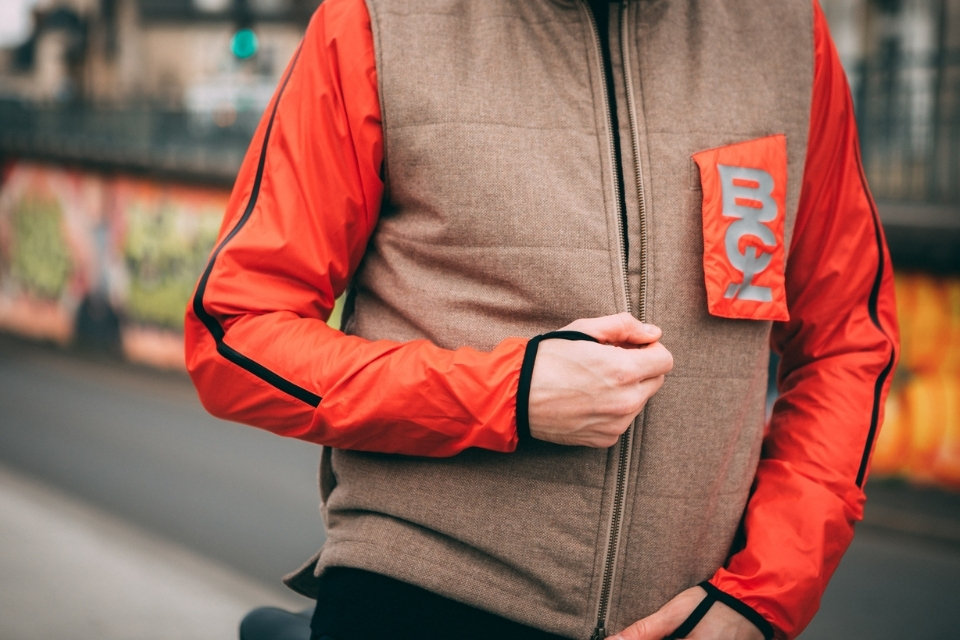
x=244 y=43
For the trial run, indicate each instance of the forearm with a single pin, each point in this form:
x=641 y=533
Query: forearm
x=344 y=391
x=304 y=206
x=839 y=349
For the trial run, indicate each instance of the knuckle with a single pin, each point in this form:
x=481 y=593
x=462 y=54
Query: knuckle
x=641 y=404
x=669 y=360
x=628 y=405
x=620 y=407
x=639 y=629
x=663 y=359
x=623 y=376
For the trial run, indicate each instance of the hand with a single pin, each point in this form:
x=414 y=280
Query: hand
x=587 y=394
x=720 y=623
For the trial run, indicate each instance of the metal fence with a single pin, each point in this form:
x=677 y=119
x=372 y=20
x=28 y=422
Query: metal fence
x=173 y=143
x=908 y=111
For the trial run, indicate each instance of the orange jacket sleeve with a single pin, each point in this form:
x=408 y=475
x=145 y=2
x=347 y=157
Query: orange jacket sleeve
x=303 y=207
x=839 y=349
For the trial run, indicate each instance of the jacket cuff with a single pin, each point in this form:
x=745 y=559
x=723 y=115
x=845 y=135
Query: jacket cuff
x=526 y=373
x=740 y=607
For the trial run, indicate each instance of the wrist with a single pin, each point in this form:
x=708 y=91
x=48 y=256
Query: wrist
x=718 y=595
x=526 y=375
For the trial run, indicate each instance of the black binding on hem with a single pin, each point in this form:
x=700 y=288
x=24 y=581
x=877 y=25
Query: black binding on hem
x=688 y=625
x=211 y=323
x=740 y=607
x=526 y=373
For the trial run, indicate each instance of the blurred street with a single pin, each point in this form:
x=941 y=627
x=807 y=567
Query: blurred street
x=136 y=443
x=71 y=570
x=128 y=512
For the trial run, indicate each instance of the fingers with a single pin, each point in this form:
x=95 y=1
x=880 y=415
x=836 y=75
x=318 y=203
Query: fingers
x=630 y=400
x=619 y=329
x=661 y=624
x=654 y=627
x=649 y=362
x=618 y=411
x=651 y=628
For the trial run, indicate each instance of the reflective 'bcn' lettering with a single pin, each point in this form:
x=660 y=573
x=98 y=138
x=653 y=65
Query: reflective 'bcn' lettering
x=747 y=195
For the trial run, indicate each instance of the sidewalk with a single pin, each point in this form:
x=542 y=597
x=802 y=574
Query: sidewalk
x=68 y=570
x=929 y=513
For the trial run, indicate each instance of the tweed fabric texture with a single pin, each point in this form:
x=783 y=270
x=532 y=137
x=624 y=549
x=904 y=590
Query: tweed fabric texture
x=500 y=219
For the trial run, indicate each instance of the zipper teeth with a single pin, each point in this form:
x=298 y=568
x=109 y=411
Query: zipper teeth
x=635 y=138
x=614 y=529
x=623 y=460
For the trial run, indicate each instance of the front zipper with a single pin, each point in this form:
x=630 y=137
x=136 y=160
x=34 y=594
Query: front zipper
x=635 y=138
x=616 y=516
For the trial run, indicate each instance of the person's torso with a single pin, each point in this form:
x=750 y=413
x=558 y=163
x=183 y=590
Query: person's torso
x=504 y=217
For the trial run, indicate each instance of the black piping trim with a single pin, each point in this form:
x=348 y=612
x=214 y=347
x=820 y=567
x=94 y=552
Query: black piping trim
x=740 y=607
x=211 y=323
x=872 y=304
x=688 y=625
x=526 y=374
x=874 y=421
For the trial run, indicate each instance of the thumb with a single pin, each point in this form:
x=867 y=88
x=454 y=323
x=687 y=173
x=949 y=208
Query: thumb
x=665 y=621
x=620 y=329
x=654 y=627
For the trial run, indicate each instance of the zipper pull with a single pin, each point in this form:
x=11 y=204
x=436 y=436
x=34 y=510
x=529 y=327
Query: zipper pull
x=599 y=633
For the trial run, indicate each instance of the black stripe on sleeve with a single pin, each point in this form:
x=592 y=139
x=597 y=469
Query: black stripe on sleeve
x=875 y=318
x=211 y=323
x=526 y=373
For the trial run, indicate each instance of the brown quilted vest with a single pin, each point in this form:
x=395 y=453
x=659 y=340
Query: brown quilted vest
x=501 y=219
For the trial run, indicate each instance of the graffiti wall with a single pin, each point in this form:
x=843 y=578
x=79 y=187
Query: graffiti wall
x=920 y=439
x=113 y=261
x=107 y=260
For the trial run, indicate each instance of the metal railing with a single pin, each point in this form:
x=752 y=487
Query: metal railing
x=908 y=112
x=158 y=141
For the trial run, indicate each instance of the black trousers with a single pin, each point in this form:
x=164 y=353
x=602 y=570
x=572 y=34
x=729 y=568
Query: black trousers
x=354 y=605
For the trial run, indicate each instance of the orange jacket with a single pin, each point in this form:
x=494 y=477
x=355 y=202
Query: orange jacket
x=260 y=352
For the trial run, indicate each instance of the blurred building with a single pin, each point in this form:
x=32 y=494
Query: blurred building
x=169 y=52
x=902 y=58
x=168 y=86
x=123 y=124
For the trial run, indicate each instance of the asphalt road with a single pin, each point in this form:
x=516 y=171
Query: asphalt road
x=137 y=443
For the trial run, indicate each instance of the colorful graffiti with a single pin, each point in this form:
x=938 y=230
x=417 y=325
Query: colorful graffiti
x=920 y=438
x=87 y=256
x=111 y=259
